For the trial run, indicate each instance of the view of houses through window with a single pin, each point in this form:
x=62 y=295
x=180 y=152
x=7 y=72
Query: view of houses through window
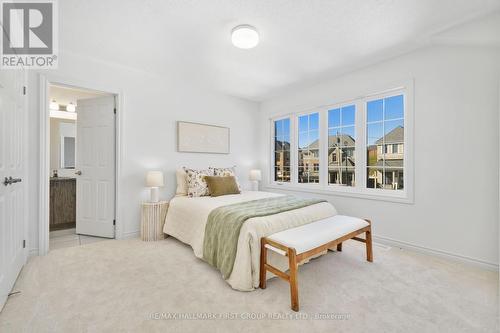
x=385 y=143
x=341 y=145
x=384 y=124
x=282 y=150
x=309 y=148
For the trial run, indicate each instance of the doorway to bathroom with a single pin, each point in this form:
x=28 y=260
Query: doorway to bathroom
x=81 y=149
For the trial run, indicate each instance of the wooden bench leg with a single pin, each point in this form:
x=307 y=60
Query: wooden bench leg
x=339 y=247
x=369 y=249
x=294 y=289
x=263 y=260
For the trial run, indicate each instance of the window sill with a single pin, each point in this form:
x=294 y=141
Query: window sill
x=387 y=195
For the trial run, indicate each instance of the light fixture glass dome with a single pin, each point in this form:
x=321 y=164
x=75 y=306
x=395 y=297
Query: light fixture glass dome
x=245 y=37
x=71 y=107
x=54 y=105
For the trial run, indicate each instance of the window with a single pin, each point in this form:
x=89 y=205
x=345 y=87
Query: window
x=282 y=150
x=308 y=148
x=341 y=145
x=359 y=147
x=385 y=128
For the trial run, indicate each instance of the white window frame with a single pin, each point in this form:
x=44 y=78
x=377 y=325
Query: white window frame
x=272 y=154
x=294 y=148
x=359 y=190
x=357 y=132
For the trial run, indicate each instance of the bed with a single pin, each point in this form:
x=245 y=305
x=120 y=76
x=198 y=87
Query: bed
x=187 y=217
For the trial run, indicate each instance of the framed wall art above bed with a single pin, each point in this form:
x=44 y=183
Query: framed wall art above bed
x=202 y=138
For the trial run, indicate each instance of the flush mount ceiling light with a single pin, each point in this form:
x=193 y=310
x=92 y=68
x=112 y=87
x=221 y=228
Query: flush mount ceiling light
x=245 y=37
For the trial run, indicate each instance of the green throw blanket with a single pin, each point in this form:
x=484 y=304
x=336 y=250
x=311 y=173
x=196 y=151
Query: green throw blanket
x=224 y=225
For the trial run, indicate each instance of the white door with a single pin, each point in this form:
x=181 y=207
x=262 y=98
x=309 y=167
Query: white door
x=95 y=167
x=13 y=201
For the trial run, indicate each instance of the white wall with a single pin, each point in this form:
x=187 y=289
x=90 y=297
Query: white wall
x=151 y=107
x=455 y=210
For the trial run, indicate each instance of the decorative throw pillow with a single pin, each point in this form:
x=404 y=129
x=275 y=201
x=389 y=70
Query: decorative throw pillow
x=181 y=176
x=222 y=185
x=196 y=184
x=226 y=172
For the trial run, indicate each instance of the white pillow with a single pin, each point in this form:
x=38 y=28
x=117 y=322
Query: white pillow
x=181 y=182
x=224 y=172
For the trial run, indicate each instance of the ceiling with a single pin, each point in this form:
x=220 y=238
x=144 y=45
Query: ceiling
x=65 y=95
x=301 y=40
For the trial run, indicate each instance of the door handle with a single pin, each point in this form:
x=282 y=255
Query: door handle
x=10 y=180
x=79 y=173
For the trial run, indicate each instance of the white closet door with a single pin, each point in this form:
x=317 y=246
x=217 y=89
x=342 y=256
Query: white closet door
x=13 y=200
x=95 y=167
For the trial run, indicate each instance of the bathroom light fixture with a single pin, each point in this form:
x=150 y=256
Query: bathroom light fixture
x=245 y=37
x=54 y=105
x=71 y=107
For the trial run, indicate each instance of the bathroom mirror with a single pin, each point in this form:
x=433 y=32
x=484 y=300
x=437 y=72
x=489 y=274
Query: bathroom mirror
x=67 y=152
x=67 y=145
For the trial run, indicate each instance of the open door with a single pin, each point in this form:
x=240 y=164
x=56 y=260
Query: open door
x=95 y=167
x=13 y=201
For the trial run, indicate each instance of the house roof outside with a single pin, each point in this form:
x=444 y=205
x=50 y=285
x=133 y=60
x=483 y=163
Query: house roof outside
x=333 y=140
x=283 y=145
x=396 y=135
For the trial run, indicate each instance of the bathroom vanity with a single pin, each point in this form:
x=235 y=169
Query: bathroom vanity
x=62 y=203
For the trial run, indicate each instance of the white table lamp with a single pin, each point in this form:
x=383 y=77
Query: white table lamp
x=255 y=178
x=154 y=179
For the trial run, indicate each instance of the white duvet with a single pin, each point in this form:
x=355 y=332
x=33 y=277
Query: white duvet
x=186 y=219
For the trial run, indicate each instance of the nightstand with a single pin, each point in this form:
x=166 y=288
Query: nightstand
x=152 y=220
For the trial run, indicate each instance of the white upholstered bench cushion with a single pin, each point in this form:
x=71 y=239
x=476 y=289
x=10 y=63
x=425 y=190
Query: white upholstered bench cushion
x=312 y=235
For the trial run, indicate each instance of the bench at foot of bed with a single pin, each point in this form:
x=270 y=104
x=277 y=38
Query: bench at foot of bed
x=308 y=240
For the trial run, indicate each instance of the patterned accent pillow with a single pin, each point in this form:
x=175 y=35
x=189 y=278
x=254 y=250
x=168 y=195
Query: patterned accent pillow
x=226 y=172
x=196 y=185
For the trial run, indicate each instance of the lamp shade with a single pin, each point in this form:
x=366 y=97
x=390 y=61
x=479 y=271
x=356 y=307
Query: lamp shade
x=255 y=175
x=154 y=179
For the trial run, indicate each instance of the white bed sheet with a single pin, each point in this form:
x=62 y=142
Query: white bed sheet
x=187 y=217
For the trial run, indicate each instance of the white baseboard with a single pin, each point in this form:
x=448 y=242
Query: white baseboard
x=131 y=234
x=443 y=254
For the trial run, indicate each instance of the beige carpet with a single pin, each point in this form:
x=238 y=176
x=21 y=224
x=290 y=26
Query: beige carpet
x=122 y=286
